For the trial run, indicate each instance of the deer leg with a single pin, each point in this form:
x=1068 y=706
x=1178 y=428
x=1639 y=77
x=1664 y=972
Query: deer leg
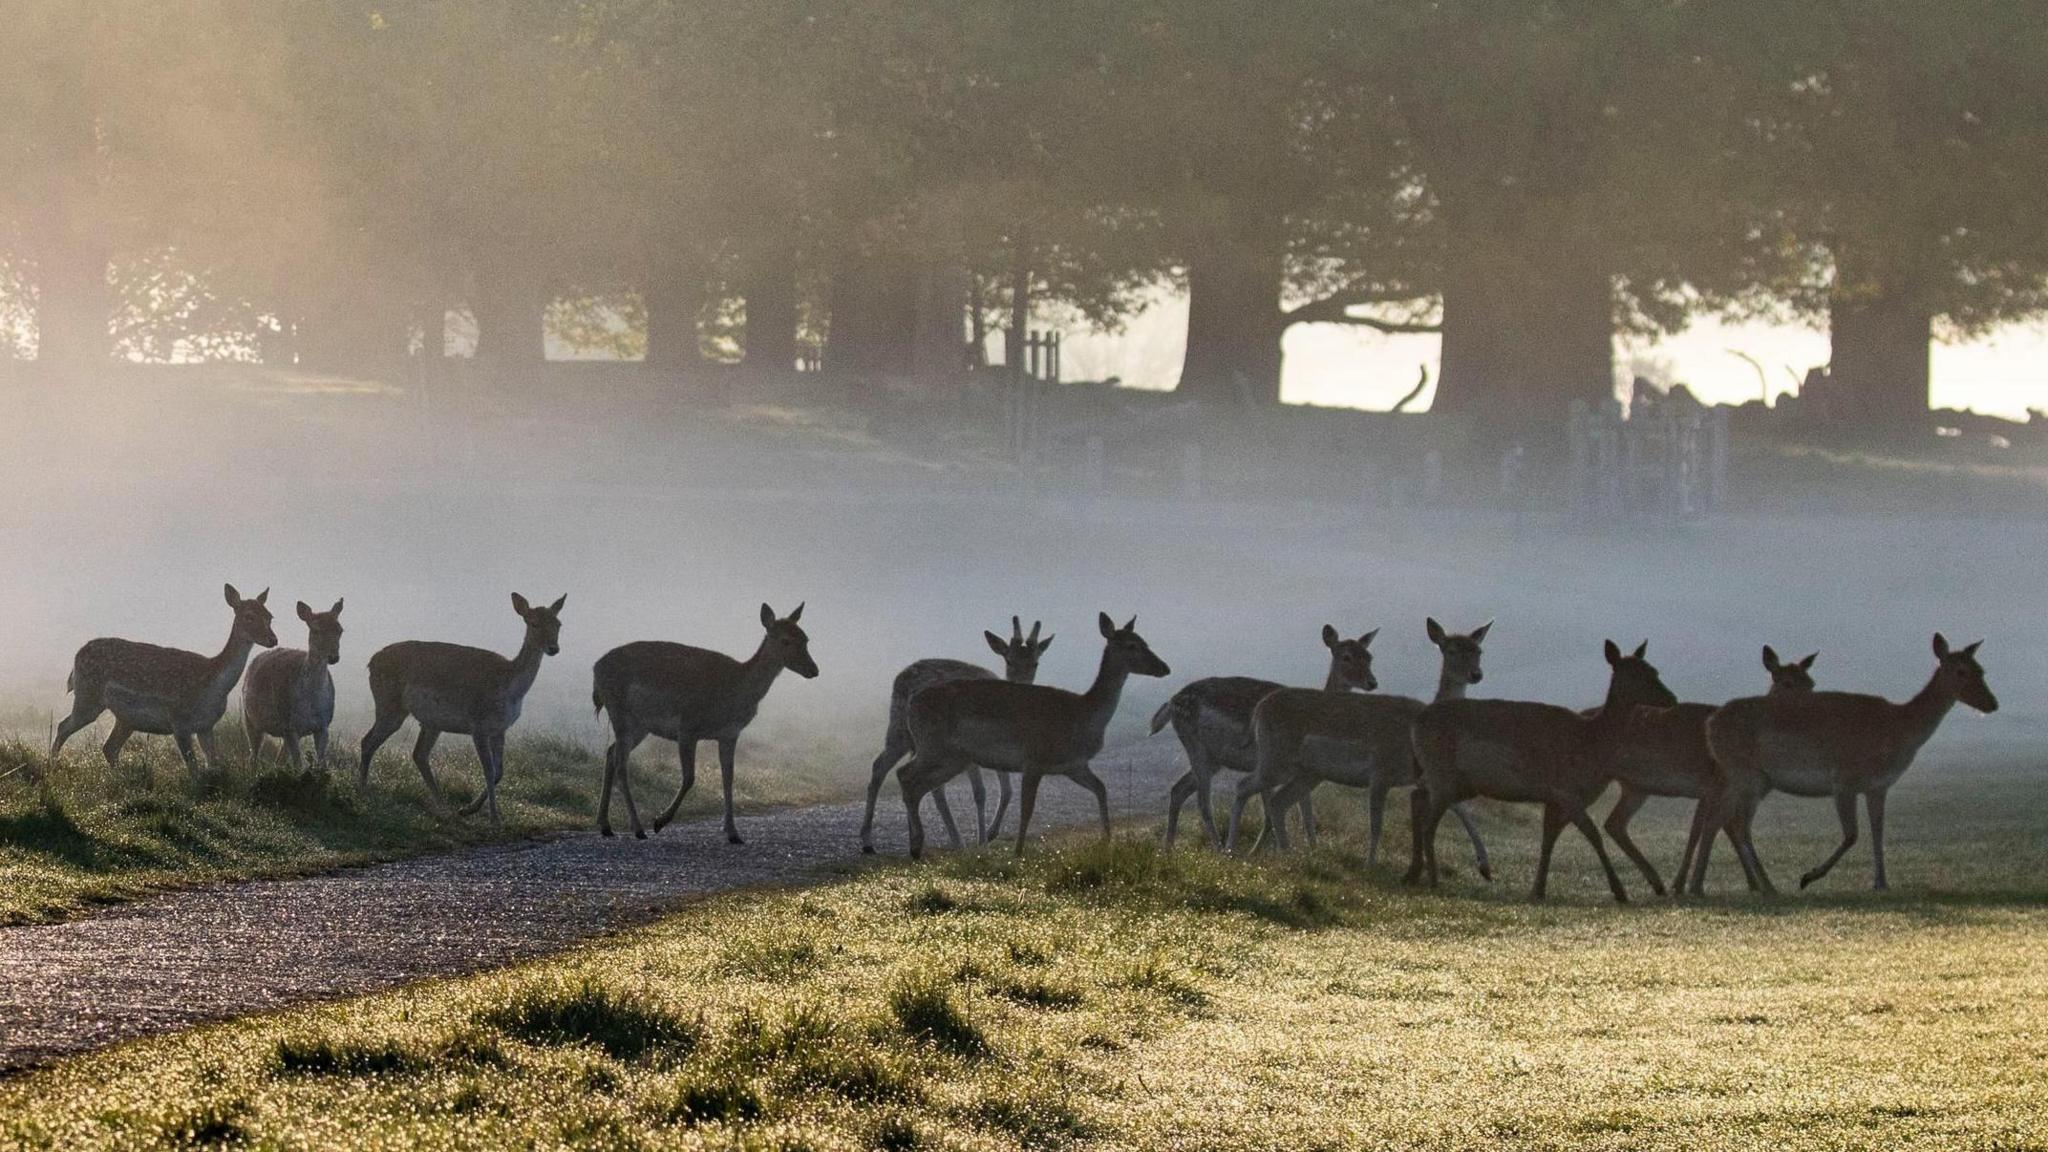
x=1375 y=815
x=115 y=739
x=1245 y=790
x=380 y=731
x=1308 y=814
x=976 y=785
x=320 y=748
x=725 y=754
x=618 y=769
x=82 y=715
x=1086 y=778
x=1581 y=820
x=911 y=781
x=184 y=742
x=1275 y=802
x=945 y=812
x=1025 y=803
x=497 y=771
x=1464 y=814
x=1626 y=806
x=482 y=744
x=423 y=759
x=1175 y=797
x=686 y=752
x=1845 y=810
x=995 y=826
x=1692 y=846
x=1426 y=835
x=1204 y=771
x=1745 y=847
x=1875 y=802
x=295 y=754
x=894 y=746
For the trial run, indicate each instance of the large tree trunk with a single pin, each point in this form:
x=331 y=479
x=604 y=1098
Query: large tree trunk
x=770 y=295
x=74 y=306
x=353 y=336
x=674 y=302
x=1522 y=339
x=1234 y=322
x=939 y=352
x=1879 y=361
x=874 y=319
x=511 y=328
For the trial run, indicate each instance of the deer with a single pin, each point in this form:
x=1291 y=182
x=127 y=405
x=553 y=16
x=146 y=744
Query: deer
x=1361 y=741
x=289 y=693
x=1020 y=655
x=686 y=694
x=1663 y=752
x=1212 y=718
x=1529 y=753
x=472 y=692
x=164 y=691
x=1835 y=744
x=1032 y=729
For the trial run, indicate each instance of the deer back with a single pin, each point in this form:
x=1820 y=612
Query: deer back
x=664 y=684
x=1002 y=724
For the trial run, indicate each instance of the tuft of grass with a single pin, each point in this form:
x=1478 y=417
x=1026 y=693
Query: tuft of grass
x=717 y=1097
x=931 y=900
x=925 y=1009
x=624 y=1026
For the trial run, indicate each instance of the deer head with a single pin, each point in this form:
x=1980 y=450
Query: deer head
x=1352 y=658
x=1461 y=652
x=543 y=625
x=252 y=619
x=1634 y=680
x=1789 y=676
x=1961 y=676
x=1020 y=653
x=1128 y=649
x=323 y=633
x=787 y=644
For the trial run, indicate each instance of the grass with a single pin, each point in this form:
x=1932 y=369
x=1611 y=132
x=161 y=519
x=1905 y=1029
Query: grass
x=1117 y=996
x=86 y=835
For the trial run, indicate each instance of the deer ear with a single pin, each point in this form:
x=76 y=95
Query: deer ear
x=520 y=605
x=1107 y=625
x=1131 y=625
x=1770 y=658
x=1613 y=651
x=305 y=612
x=234 y=597
x=336 y=610
x=1434 y=629
x=767 y=616
x=1330 y=636
x=1642 y=650
x=1365 y=641
x=1971 y=651
x=1045 y=643
x=798 y=614
x=1479 y=633
x=996 y=643
x=557 y=605
x=1940 y=645
x=1807 y=664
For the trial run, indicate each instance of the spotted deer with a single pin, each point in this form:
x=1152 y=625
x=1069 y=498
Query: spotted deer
x=1529 y=753
x=1360 y=741
x=686 y=694
x=164 y=691
x=1663 y=752
x=1020 y=655
x=1212 y=718
x=1031 y=729
x=289 y=693
x=454 y=688
x=1836 y=744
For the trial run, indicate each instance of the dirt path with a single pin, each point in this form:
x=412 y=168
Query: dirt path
x=213 y=953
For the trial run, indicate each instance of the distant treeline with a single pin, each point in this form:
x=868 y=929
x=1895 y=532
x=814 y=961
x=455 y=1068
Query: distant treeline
x=858 y=184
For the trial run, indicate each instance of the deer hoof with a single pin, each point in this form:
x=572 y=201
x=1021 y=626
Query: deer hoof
x=867 y=849
x=605 y=831
x=733 y=838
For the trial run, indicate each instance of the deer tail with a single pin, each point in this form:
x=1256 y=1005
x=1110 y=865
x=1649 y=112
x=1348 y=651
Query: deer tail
x=71 y=683
x=1163 y=717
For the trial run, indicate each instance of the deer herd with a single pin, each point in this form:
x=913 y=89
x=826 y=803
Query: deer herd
x=953 y=718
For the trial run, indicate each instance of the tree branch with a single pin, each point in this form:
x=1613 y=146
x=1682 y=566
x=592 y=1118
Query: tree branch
x=1336 y=309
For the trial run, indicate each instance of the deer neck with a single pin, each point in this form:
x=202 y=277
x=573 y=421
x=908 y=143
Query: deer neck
x=1102 y=696
x=525 y=667
x=757 y=675
x=227 y=667
x=1334 y=682
x=1926 y=710
x=312 y=672
x=1449 y=687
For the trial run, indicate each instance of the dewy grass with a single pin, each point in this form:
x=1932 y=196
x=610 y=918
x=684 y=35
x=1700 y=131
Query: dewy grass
x=1119 y=996
x=84 y=834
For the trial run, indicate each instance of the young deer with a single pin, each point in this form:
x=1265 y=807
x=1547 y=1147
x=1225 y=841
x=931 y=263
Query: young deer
x=685 y=694
x=454 y=688
x=1027 y=728
x=1020 y=655
x=1838 y=744
x=163 y=691
x=1663 y=752
x=290 y=694
x=1360 y=741
x=1528 y=753
x=1213 y=720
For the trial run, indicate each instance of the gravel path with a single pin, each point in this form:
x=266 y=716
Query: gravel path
x=185 y=958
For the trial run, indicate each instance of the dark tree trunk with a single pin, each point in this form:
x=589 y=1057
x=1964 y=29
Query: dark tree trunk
x=1879 y=359
x=1234 y=322
x=674 y=302
x=1522 y=339
x=770 y=295
x=939 y=355
x=74 y=305
x=1020 y=310
x=511 y=329
x=874 y=319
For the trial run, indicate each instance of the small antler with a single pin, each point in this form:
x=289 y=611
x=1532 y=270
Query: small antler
x=1017 y=631
x=1035 y=624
